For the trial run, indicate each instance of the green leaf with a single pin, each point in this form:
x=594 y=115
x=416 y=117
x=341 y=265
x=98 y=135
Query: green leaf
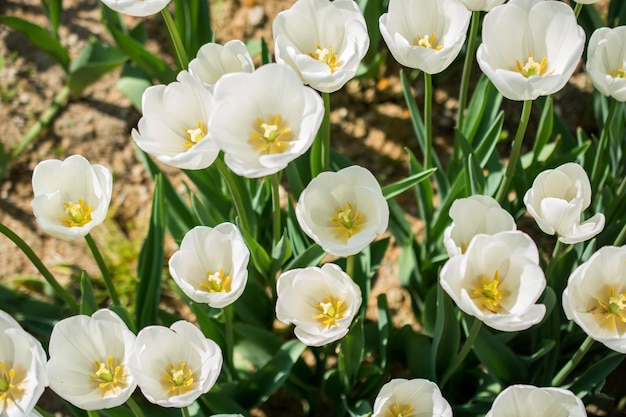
x=595 y=376
x=40 y=38
x=475 y=176
x=280 y=253
x=310 y=257
x=498 y=358
x=92 y=62
x=383 y=324
x=400 y=186
x=544 y=130
x=482 y=109
x=53 y=9
x=447 y=335
x=210 y=327
x=88 y=303
x=260 y=258
x=351 y=352
x=132 y=83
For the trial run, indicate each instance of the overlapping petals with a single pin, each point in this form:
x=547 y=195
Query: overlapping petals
x=411 y=397
x=606 y=55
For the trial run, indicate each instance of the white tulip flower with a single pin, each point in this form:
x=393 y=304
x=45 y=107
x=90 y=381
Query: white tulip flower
x=183 y=366
x=528 y=400
x=425 y=34
x=71 y=196
x=174 y=124
x=606 y=55
x=89 y=360
x=264 y=120
x=498 y=280
x=22 y=369
x=320 y=302
x=214 y=60
x=323 y=41
x=411 y=397
x=556 y=201
x=139 y=8
x=211 y=265
x=482 y=5
x=343 y=211
x=595 y=297
x=530 y=47
x=471 y=216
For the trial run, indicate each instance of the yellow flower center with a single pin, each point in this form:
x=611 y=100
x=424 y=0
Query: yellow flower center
x=399 y=411
x=272 y=136
x=618 y=72
x=428 y=42
x=78 y=214
x=111 y=377
x=532 y=68
x=217 y=282
x=347 y=222
x=179 y=380
x=330 y=311
x=614 y=310
x=10 y=390
x=488 y=297
x=327 y=56
x=195 y=135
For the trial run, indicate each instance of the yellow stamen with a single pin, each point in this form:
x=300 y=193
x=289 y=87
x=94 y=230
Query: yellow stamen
x=78 y=214
x=331 y=311
x=428 y=42
x=618 y=72
x=272 y=136
x=195 y=135
x=532 y=68
x=400 y=411
x=614 y=310
x=179 y=380
x=327 y=56
x=217 y=282
x=347 y=222
x=489 y=296
x=111 y=378
x=10 y=385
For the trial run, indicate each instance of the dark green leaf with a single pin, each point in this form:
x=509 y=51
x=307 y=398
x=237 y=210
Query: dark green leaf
x=447 y=335
x=92 y=62
x=596 y=374
x=351 y=350
x=498 y=357
x=310 y=257
x=88 y=303
x=132 y=83
x=210 y=327
x=400 y=186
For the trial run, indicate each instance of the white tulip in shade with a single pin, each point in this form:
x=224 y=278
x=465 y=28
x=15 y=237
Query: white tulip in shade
x=137 y=8
x=264 y=120
x=174 y=124
x=211 y=265
x=184 y=366
x=343 y=211
x=320 y=302
x=71 y=196
x=606 y=55
x=595 y=297
x=481 y=5
x=497 y=280
x=530 y=47
x=214 y=60
x=425 y=34
x=89 y=360
x=556 y=201
x=22 y=369
x=471 y=216
x=322 y=41
x=528 y=400
x=411 y=397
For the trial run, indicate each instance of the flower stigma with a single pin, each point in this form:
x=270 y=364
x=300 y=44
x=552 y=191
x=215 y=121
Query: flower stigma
x=195 y=135
x=217 y=282
x=325 y=55
x=179 y=380
x=272 y=136
x=400 y=411
x=347 y=222
x=331 y=311
x=532 y=68
x=110 y=377
x=9 y=390
x=489 y=296
x=613 y=310
x=78 y=214
x=618 y=72
x=428 y=42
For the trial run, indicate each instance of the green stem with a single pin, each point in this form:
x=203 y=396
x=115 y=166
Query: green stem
x=60 y=291
x=577 y=9
x=134 y=407
x=276 y=226
x=571 y=364
x=92 y=413
x=43 y=412
x=467 y=68
x=515 y=152
x=179 y=48
x=106 y=275
x=185 y=412
x=229 y=312
x=460 y=357
x=241 y=210
x=320 y=151
x=428 y=119
x=619 y=240
x=602 y=143
x=557 y=249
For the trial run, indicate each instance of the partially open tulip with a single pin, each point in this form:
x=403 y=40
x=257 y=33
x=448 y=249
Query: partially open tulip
x=556 y=201
x=214 y=60
x=530 y=47
x=528 y=400
x=71 y=196
x=425 y=34
x=174 y=124
x=322 y=41
x=411 y=397
x=595 y=297
x=606 y=55
x=481 y=5
x=138 y=8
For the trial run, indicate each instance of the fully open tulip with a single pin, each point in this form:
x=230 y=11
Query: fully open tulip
x=264 y=120
x=530 y=47
x=411 y=397
x=322 y=41
x=556 y=201
x=211 y=265
x=425 y=34
x=484 y=5
x=528 y=400
x=320 y=302
x=343 y=211
x=71 y=196
x=174 y=366
x=22 y=369
x=137 y=7
x=498 y=280
x=174 y=123
x=606 y=55
x=89 y=359
x=595 y=297
x=214 y=60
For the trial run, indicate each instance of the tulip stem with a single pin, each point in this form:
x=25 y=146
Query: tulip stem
x=460 y=357
x=241 y=209
x=20 y=243
x=185 y=412
x=577 y=9
x=467 y=68
x=619 y=240
x=428 y=119
x=229 y=312
x=320 y=151
x=106 y=275
x=515 y=153
x=276 y=226
x=571 y=364
x=602 y=143
x=134 y=407
x=92 y=413
x=177 y=43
